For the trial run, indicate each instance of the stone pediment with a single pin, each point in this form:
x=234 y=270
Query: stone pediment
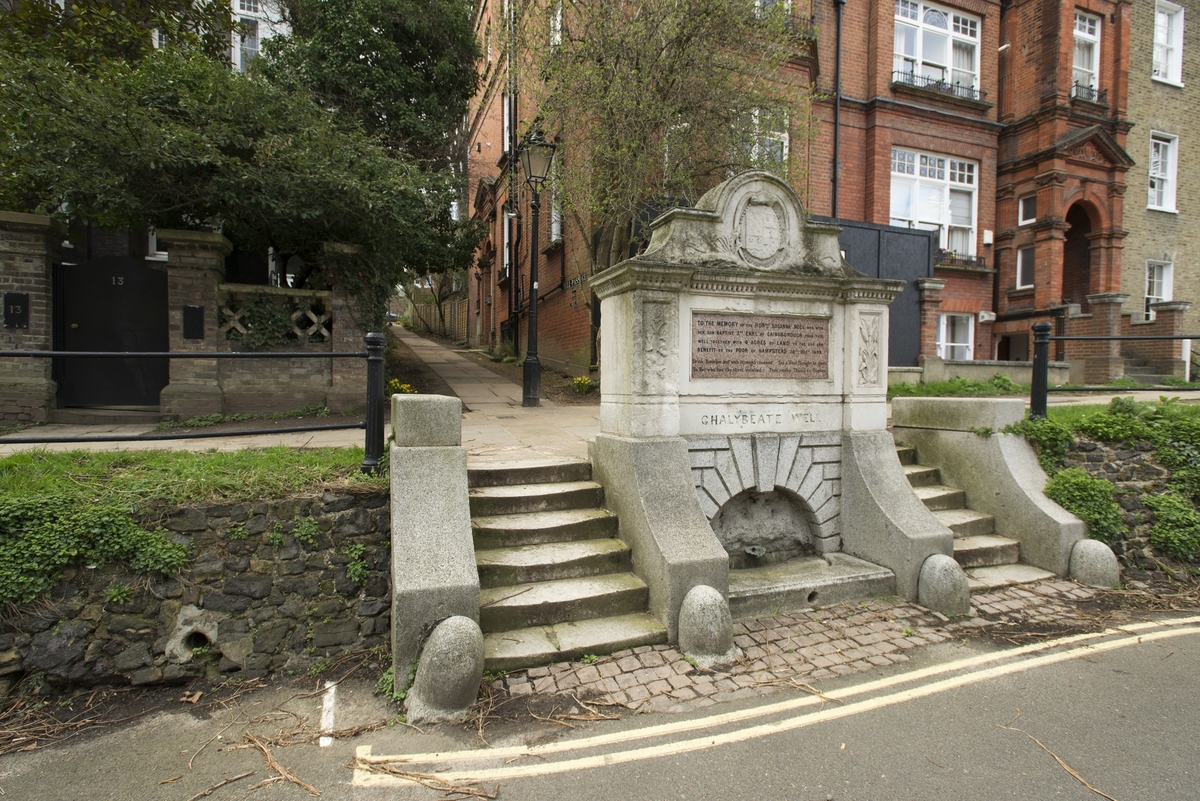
x=1093 y=145
x=753 y=221
x=483 y=191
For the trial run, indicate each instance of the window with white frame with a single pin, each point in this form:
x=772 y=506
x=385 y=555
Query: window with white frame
x=506 y=248
x=556 y=205
x=1159 y=279
x=1087 y=54
x=506 y=125
x=1027 y=210
x=763 y=8
x=955 y=337
x=1163 y=161
x=935 y=193
x=556 y=24
x=936 y=46
x=1168 y=43
x=1025 y=265
x=248 y=51
x=768 y=147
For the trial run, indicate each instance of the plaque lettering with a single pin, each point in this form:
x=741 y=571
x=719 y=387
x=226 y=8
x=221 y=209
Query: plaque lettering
x=759 y=346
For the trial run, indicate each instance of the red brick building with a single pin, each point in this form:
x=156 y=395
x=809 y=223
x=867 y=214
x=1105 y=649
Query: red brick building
x=1001 y=126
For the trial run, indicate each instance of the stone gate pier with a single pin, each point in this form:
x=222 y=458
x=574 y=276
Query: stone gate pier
x=743 y=415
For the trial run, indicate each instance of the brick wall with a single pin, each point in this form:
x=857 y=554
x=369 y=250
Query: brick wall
x=29 y=246
x=1156 y=106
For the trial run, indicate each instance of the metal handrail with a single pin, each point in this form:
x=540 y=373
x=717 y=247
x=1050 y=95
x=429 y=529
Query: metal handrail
x=1040 y=387
x=373 y=424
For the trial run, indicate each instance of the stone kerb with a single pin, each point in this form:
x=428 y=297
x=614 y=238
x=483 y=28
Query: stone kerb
x=433 y=555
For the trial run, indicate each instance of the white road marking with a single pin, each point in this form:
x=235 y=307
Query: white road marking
x=327 y=713
x=1124 y=637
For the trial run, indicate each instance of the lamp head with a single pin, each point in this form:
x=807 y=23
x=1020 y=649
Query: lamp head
x=536 y=155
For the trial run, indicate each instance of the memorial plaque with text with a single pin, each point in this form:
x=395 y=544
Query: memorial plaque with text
x=759 y=346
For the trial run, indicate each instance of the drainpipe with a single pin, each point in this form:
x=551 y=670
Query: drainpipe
x=837 y=104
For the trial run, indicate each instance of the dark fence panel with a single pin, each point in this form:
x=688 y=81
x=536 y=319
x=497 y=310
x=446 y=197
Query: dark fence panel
x=887 y=251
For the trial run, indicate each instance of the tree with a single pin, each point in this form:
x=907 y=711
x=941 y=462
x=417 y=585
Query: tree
x=173 y=138
x=657 y=101
x=403 y=69
x=87 y=33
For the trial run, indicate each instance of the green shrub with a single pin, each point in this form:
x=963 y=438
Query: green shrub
x=39 y=537
x=1050 y=439
x=1089 y=499
x=1176 y=532
x=306 y=531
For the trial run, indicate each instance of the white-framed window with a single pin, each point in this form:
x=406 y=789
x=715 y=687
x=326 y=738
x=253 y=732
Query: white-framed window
x=935 y=193
x=936 y=46
x=506 y=124
x=769 y=140
x=556 y=24
x=1168 y=43
x=763 y=8
x=248 y=49
x=956 y=337
x=1027 y=210
x=1159 y=280
x=249 y=7
x=556 y=205
x=1087 y=54
x=506 y=247
x=1163 y=161
x=1025 y=265
x=152 y=251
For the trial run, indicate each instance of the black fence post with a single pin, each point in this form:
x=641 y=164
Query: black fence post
x=1041 y=371
x=373 y=448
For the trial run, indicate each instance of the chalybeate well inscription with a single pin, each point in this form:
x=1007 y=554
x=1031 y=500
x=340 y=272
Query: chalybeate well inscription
x=759 y=346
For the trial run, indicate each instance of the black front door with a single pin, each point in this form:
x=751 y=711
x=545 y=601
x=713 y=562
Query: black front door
x=113 y=303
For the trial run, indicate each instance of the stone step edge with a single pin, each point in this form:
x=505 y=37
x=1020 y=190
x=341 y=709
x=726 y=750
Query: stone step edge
x=542 y=645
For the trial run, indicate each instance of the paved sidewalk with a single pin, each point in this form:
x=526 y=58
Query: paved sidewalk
x=791 y=650
x=497 y=429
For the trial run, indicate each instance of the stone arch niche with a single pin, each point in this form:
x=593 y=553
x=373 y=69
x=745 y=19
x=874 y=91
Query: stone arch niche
x=778 y=493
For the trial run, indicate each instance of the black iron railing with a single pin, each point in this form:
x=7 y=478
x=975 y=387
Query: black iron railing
x=1089 y=93
x=939 y=85
x=1038 y=393
x=372 y=424
x=948 y=258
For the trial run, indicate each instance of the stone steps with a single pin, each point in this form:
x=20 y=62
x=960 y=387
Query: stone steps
x=541 y=645
x=938 y=497
x=511 y=499
x=550 y=561
x=544 y=603
x=804 y=583
x=534 y=528
x=555 y=581
x=986 y=551
x=977 y=546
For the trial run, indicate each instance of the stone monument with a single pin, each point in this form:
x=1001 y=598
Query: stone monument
x=745 y=374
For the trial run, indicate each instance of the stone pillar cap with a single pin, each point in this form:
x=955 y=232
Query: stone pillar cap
x=197 y=240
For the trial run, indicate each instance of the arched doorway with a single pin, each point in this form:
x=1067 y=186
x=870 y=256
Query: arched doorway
x=1077 y=258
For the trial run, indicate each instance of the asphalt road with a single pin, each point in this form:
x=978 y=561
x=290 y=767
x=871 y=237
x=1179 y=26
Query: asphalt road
x=1120 y=709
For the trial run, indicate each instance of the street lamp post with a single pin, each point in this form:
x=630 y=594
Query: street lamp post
x=536 y=157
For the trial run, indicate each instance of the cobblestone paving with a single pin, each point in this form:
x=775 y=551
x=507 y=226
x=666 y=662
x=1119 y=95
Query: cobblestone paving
x=790 y=650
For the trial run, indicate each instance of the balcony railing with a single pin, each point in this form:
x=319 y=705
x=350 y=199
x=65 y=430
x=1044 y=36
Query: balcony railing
x=948 y=258
x=1089 y=93
x=938 y=85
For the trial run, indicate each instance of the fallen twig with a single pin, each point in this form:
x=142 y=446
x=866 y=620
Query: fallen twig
x=1062 y=763
x=280 y=769
x=428 y=780
x=220 y=784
